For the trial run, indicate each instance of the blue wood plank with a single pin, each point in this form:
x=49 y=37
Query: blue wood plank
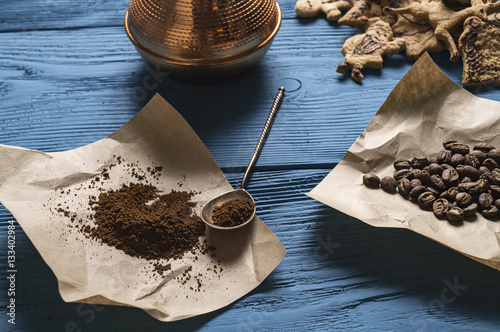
x=69 y=76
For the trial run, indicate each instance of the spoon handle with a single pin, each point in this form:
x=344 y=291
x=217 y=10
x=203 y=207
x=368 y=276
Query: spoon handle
x=265 y=131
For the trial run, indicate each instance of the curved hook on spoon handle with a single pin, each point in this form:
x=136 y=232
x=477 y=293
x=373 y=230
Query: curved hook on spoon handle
x=265 y=131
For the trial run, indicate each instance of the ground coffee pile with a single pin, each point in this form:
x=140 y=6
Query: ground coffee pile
x=145 y=223
x=233 y=212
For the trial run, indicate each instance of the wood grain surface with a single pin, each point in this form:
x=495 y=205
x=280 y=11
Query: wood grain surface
x=70 y=76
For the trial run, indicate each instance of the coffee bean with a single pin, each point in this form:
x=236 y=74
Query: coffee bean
x=402 y=173
x=433 y=190
x=480 y=155
x=470 y=211
x=495 y=175
x=404 y=187
x=463 y=199
x=446 y=166
x=415 y=183
x=469 y=171
x=440 y=207
x=497 y=203
x=444 y=157
x=415 y=192
x=488 y=176
x=490 y=213
x=425 y=177
x=456 y=159
x=495 y=190
x=433 y=160
x=459 y=148
x=400 y=164
x=490 y=163
x=419 y=162
x=371 y=180
x=472 y=160
x=426 y=199
x=447 y=143
x=483 y=147
x=435 y=169
x=455 y=215
x=494 y=154
x=485 y=201
x=389 y=184
x=450 y=177
x=438 y=183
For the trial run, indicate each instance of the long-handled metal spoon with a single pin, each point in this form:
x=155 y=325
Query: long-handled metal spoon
x=208 y=208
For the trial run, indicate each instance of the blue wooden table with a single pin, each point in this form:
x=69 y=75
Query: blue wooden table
x=69 y=76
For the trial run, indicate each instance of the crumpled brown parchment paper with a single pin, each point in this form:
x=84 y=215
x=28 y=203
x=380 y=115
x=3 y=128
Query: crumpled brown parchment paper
x=423 y=110
x=33 y=184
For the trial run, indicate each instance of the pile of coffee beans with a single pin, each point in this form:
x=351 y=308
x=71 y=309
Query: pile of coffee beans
x=455 y=184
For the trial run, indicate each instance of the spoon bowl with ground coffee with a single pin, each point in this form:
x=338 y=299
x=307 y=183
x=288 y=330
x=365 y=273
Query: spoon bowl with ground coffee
x=236 y=208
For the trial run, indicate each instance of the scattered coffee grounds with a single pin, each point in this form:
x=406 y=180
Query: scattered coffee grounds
x=233 y=212
x=455 y=184
x=160 y=268
x=144 y=223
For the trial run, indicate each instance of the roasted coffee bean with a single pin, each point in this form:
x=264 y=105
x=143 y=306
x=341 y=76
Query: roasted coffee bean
x=472 y=160
x=400 y=164
x=497 y=203
x=494 y=154
x=469 y=171
x=425 y=177
x=415 y=183
x=490 y=163
x=416 y=192
x=463 y=199
x=419 y=162
x=438 y=183
x=444 y=157
x=453 y=191
x=450 y=177
x=371 y=180
x=404 y=187
x=485 y=201
x=440 y=207
x=446 y=166
x=402 y=173
x=435 y=169
x=480 y=186
x=480 y=155
x=495 y=175
x=483 y=169
x=455 y=215
x=460 y=148
x=470 y=211
x=483 y=147
x=495 y=190
x=416 y=173
x=456 y=159
x=433 y=160
x=466 y=179
x=433 y=190
x=488 y=176
x=426 y=199
x=389 y=184
x=490 y=213
x=447 y=143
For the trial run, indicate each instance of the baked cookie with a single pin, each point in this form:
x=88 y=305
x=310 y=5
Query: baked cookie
x=332 y=8
x=366 y=50
x=419 y=37
x=479 y=46
x=363 y=10
x=445 y=21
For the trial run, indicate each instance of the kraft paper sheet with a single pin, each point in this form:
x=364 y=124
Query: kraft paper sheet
x=33 y=184
x=423 y=110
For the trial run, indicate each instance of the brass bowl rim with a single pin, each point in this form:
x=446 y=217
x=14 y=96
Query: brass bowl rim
x=206 y=62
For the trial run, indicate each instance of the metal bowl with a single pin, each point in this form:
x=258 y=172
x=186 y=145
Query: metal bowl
x=202 y=41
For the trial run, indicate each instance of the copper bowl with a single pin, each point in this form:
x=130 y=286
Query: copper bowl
x=202 y=41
